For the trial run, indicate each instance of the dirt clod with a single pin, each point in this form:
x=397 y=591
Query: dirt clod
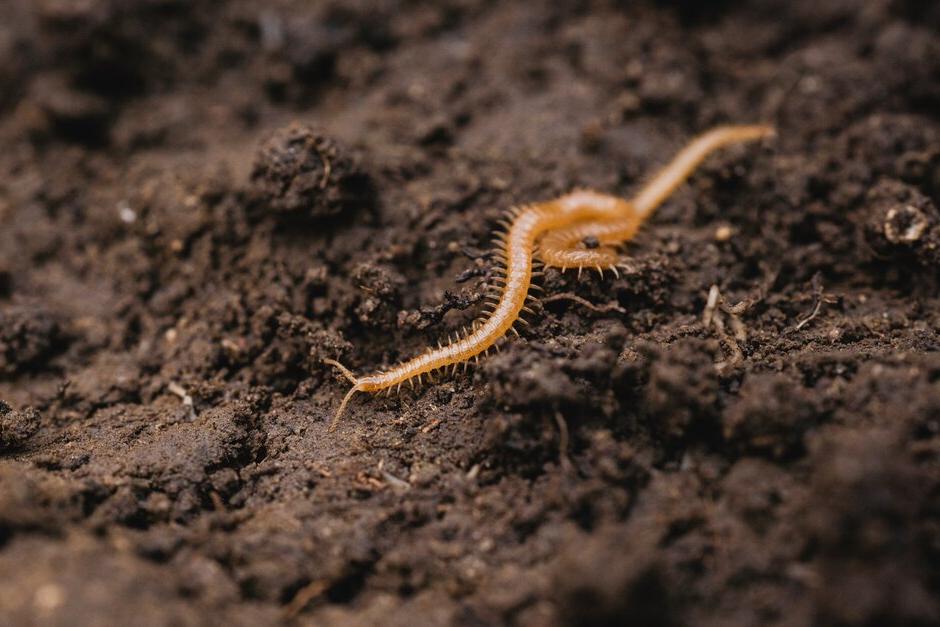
x=28 y=338
x=770 y=414
x=631 y=585
x=682 y=391
x=16 y=427
x=300 y=170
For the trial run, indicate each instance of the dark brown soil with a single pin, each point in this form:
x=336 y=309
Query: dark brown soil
x=199 y=201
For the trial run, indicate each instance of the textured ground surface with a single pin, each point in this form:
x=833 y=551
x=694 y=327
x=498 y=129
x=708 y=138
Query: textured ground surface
x=201 y=200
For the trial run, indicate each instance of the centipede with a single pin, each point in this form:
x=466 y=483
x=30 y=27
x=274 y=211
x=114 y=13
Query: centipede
x=552 y=232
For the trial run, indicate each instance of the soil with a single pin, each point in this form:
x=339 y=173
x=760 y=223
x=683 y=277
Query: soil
x=201 y=201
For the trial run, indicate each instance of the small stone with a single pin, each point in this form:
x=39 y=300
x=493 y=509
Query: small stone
x=29 y=338
x=723 y=233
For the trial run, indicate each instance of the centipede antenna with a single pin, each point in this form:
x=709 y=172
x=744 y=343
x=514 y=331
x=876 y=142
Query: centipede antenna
x=342 y=406
x=343 y=369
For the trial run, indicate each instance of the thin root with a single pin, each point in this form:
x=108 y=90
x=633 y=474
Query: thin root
x=585 y=303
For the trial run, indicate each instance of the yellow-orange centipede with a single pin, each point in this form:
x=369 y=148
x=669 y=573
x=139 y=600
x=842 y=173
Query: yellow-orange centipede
x=554 y=231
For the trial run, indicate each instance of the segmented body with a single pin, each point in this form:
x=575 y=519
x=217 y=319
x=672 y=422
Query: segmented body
x=554 y=230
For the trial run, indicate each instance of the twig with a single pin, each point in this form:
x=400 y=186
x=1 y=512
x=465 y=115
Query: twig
x=586 y=303
x=431 y=426
x=818 y=300
x=327 y=171
x=395 y=481
x=304 y=596
x=713 y=316
x=562 y=442
x=711 y=304
x=180 y=391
